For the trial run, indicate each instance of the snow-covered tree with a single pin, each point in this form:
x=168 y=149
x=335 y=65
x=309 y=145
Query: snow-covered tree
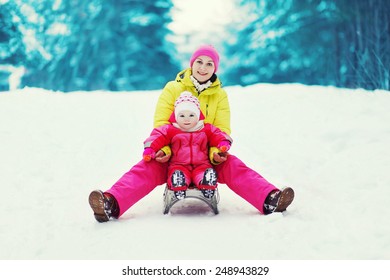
x=322 y=42
x=88 y=45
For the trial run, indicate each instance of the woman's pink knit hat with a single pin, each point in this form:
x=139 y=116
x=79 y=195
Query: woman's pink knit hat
x=209 y=51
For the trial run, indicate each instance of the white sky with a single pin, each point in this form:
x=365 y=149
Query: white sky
x=198 y=22
x=200 y=15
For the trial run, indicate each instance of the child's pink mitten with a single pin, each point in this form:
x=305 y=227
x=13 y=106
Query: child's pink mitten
x=148 y=154
x=224 y=146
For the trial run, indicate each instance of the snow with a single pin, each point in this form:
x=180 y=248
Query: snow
x=331 y=145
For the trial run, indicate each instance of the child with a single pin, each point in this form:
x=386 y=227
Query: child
x=189 y=139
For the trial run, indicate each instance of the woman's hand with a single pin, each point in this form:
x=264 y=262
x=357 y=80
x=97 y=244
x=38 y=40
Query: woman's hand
x=220 y=157
x=162 y=157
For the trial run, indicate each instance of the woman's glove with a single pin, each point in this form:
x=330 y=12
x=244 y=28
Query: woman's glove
x=148 y=154
x=224 y=146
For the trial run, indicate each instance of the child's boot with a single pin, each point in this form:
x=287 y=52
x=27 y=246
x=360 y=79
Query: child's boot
x=178 y=184
x=208 y=183
x=278 y=201
x=104 y=206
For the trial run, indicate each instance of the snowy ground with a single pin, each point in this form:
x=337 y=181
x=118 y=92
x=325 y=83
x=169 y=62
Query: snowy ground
x=331 y=145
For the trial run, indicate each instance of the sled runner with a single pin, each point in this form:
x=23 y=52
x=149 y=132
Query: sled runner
x=192 y=192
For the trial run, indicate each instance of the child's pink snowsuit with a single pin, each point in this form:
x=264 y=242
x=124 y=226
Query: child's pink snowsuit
x=190 y=150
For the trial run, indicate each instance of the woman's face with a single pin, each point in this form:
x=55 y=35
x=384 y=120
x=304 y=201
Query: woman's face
x=203 y=68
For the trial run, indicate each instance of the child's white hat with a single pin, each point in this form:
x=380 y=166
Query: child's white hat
x=186 y=101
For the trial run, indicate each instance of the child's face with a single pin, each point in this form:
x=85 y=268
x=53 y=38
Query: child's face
x=186 y=120
x=203 y=68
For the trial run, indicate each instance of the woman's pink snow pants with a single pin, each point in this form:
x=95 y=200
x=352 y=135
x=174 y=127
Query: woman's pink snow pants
x=144 y=177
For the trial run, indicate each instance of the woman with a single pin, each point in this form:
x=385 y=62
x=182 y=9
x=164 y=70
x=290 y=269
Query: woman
x=200 y=79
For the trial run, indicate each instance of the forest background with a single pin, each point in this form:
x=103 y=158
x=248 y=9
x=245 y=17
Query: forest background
x=122 y=45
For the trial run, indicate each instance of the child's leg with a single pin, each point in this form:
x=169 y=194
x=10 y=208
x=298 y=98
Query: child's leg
x=244 y=181
x=139 y=181
x=178 y=180
x=206 y=180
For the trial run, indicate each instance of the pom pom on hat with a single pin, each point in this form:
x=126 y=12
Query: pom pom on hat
x=209 y=51
x=186 y=101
